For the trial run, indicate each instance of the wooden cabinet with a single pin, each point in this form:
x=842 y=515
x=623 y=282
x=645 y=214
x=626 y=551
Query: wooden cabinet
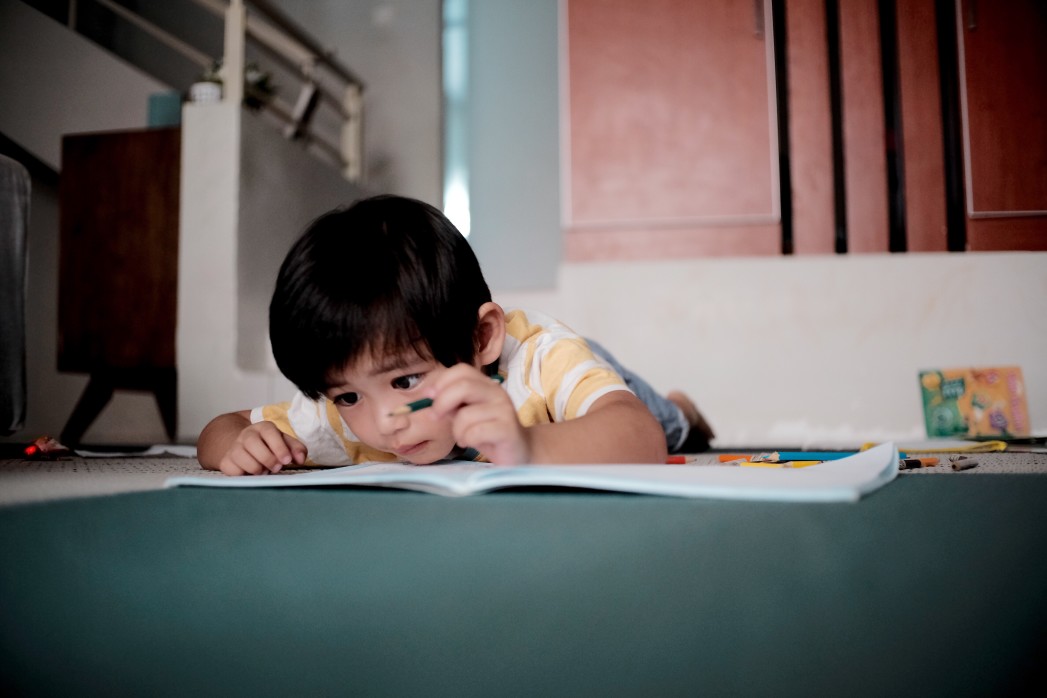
x=118 y=267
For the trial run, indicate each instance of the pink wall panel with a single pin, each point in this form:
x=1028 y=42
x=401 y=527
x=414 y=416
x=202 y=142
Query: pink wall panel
x=671 y=121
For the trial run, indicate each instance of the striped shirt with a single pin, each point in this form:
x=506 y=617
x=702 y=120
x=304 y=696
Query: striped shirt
x=550 y=374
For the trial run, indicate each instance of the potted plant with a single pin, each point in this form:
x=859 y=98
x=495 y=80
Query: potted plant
x=258 y=86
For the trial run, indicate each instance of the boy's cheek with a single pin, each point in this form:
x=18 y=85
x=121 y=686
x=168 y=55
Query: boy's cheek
x=358 y=427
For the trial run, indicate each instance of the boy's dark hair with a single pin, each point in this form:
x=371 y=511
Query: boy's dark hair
x=386 y=275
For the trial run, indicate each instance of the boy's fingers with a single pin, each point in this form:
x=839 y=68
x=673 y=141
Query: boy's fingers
x=494 y=441
x=227 y=467
x=275 y=444
x=470 y=388
x=240 y=462
x=265 y=450
x=298 y=450
x=486 y=431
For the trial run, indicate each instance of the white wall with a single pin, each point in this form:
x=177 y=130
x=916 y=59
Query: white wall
x=206 y=339
x=394 y=46
x=282 y=189
x=817 y=349
x=54 y=82
x=246 y=195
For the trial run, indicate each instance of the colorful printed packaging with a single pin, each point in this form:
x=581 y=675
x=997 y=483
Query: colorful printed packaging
x=972 y=402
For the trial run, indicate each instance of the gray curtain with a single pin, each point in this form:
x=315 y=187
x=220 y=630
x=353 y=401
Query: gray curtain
x=14 y=223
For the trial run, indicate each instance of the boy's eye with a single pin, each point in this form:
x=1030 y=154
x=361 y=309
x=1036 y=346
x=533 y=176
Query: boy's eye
x=346 y=399
x=407 y=382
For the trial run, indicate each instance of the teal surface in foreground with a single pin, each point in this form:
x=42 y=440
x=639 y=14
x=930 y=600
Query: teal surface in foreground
x=930 y=585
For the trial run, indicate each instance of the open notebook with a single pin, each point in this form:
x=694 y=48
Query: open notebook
x=843 y=480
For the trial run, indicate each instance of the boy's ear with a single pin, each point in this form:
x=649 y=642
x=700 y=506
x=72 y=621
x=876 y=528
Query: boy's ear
x=490 y=333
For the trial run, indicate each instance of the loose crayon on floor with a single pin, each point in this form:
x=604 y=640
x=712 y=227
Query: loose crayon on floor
x=911 y=463
x=727 y=457
x=962 y=462
x=777 y=464
x=812 y=455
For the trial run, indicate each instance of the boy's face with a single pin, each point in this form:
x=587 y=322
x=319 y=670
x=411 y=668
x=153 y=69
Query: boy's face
x=367 y=392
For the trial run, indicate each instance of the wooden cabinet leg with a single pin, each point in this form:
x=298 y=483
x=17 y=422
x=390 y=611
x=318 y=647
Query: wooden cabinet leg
x=95 y=397
x=162 y=382
x=165 y=388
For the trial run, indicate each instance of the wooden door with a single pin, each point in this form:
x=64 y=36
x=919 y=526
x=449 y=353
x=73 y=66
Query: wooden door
x=1003 y=89
x=671 y=145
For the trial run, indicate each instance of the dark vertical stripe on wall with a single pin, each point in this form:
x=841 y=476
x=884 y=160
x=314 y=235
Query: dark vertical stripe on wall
x=832 y=30
x=781 y=81
x=952 y=133
x=892 y=119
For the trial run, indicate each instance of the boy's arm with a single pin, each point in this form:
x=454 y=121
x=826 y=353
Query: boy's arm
x=219 y=435
x=232 y=444
x=618 y=428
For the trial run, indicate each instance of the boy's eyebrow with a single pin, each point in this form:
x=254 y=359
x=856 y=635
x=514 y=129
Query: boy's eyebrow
x=393 y=363
x=389 y=363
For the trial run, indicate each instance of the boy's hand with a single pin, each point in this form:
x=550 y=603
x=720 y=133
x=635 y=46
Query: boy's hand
x=482 y=415
x=262 y=448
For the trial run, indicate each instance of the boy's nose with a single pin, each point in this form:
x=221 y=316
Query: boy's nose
x=388 y=421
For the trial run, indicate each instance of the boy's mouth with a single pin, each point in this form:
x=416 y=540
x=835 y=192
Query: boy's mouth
x=407 y=451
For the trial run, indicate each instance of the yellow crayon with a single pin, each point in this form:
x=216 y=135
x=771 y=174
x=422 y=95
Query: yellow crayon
x=776 y=464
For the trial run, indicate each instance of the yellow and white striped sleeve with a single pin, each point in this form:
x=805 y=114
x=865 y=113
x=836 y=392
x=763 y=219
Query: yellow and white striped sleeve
x=547 y=362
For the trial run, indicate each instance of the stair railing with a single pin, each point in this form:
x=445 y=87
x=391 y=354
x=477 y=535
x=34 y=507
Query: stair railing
x=323 y=80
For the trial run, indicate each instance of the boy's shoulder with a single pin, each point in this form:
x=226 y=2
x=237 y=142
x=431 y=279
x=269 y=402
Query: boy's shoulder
x=544 y=358
x=522 y=325
x=535 y=338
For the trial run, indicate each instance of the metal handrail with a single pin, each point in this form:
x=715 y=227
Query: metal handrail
x=308 y=48
x=282 y=40
x=302 y=37
x=307 y=52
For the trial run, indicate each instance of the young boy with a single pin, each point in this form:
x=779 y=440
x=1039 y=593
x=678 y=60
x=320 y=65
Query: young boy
x=382 y=304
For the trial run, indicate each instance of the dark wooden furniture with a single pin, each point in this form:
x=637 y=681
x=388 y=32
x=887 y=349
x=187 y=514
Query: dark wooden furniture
x=118 y=268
